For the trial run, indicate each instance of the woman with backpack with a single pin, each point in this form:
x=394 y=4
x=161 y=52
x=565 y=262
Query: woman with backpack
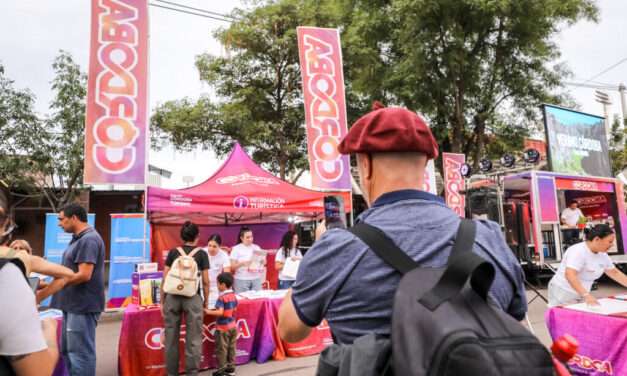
x=180 y=293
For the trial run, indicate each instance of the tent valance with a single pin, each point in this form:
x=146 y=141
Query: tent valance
x=239 y=192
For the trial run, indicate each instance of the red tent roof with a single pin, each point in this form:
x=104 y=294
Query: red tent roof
x=240 y=191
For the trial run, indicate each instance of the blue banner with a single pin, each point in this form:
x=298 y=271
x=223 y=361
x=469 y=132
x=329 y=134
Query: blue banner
x=56 y=241
x=128 y=247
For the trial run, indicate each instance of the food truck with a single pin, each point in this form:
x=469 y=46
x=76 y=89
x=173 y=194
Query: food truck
x=528 y=202
x=533 y=201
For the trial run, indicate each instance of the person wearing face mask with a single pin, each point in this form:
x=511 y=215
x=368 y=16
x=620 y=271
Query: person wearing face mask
x=582 y=264
x=341 y=280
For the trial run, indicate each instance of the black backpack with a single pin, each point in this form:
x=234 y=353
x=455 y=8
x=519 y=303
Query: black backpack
x=441 y=325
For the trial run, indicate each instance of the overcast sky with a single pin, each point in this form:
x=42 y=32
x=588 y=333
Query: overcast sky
x=33 y=31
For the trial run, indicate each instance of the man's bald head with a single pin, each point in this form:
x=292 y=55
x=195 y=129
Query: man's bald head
x=380 y=173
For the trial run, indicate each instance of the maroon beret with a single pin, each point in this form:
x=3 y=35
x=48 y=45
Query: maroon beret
x=389 y=129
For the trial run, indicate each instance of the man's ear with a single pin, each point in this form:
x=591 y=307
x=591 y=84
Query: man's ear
x=365 y=161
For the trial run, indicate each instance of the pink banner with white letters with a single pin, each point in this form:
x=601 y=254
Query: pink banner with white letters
x=325 y=106
x=601 y=340
x=117 y=114
x=454 y=182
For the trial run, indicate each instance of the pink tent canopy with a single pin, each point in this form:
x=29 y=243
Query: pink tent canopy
x=239 y=192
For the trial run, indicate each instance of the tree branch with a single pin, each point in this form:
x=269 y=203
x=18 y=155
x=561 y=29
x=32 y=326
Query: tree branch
x=298 y=175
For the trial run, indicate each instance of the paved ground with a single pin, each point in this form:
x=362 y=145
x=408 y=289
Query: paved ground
x=109 y=331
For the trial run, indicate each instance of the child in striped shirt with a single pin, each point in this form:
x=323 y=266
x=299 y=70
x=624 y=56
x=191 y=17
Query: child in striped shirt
x=226 y=327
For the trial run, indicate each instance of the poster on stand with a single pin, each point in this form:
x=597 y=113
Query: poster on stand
x=130 y=246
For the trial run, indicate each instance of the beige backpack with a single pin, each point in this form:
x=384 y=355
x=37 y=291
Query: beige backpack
x=182 y=279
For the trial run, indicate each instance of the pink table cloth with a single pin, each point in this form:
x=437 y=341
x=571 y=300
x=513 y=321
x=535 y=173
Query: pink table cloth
x=602 y=340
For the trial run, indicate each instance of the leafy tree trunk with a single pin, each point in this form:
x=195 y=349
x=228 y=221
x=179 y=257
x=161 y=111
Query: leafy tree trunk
x=282 y=167
x=478 y=146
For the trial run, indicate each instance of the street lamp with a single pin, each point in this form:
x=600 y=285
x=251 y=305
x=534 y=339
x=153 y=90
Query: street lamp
x=603 y=98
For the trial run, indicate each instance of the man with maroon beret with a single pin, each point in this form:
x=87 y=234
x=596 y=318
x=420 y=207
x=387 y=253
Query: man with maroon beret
x=341 y=280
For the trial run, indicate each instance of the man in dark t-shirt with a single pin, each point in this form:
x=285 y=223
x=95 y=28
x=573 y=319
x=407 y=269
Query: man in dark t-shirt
x=82 y=298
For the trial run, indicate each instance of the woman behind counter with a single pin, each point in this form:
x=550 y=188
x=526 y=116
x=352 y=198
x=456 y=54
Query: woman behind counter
x=582 y=264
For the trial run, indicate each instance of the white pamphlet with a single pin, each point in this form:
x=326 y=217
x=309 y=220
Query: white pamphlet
x=607 y=307
x=290 y=268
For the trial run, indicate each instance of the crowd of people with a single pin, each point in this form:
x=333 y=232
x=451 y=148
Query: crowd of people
x=78 y=291
x=340 y=279
x=28 y=345
x=223 y=272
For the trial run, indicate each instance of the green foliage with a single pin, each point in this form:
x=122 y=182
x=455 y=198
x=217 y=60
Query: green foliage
x=466 y=64
x=21 y=134
x=477 y=69
x=44 y=156
x=258 y=86
x=618 y=143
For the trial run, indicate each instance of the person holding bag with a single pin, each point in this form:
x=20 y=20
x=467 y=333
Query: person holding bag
x=180 y=294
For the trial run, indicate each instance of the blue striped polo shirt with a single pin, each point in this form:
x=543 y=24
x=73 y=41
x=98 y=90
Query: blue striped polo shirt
x=228 y=301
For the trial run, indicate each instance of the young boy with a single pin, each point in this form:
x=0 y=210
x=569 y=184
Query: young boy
x=226 y=328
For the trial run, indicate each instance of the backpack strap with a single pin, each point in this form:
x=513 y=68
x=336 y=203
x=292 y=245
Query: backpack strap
x=194 y=251
x=384 y=247
x=181 y=251
x=463 y=264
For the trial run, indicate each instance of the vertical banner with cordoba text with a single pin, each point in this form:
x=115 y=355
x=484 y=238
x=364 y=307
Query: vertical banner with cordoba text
x=117 y=93
x=325 y=106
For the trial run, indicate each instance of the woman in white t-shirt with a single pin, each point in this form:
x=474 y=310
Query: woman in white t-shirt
x=581 y=265
x=289 y=249
x=248 y=261
x=219 y=262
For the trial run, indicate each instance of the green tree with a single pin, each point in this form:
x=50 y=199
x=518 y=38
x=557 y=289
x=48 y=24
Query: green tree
x=21 y=134
x=258 y=87
x=45 y=156
x=618 y=143
x=467 y=64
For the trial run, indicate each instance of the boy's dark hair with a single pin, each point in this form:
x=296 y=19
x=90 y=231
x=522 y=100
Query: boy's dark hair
x=226 y=278
x=189 y=232
x=75 y=209
x=572 y=202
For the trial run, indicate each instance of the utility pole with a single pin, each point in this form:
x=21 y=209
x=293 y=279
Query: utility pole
x=623 y=104
x=604 y=99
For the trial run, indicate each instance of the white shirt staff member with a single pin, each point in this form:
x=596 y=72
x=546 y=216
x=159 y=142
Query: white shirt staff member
x=570 y=216
x=582 y=264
